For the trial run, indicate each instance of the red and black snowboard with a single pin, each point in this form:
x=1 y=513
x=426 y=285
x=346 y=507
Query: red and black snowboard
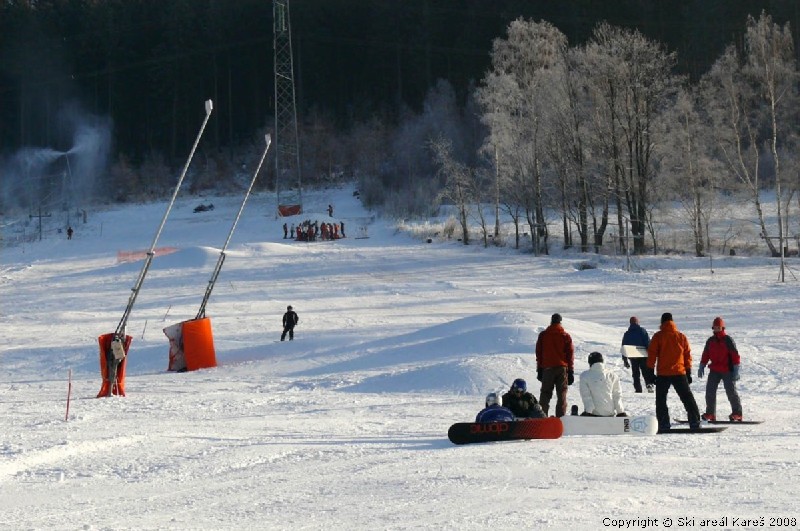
x=478 y=432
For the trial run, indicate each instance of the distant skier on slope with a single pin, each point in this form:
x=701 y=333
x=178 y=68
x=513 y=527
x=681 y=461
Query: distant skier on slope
x=290 y=320
x=494 y=412
x=600 y=390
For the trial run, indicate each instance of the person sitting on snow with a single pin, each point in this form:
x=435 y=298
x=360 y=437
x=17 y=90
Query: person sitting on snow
x=600 y=390
x=494 y=412
x=521 y=402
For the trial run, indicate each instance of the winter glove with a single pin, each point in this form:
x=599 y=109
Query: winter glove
x=627 y=363
x=570 y=377
x=689 y=377
x=623 y=414
x=735 y=373
x=701 y=371
x=539 y=374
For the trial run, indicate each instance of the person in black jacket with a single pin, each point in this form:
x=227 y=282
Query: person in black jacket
x=290 y=319
x=521 y=402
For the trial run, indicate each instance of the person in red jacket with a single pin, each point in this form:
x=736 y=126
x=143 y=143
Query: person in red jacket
x=670 y=355
x=555 y=360
x=720 y=351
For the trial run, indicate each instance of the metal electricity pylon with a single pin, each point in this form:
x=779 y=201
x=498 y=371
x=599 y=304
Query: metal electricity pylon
x=288 y=182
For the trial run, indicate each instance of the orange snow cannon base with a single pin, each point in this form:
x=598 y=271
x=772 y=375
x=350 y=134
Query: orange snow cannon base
x=105 y=346
x=198 y=344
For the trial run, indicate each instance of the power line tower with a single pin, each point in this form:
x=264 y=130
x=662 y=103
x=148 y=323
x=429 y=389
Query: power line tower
x=288 y=181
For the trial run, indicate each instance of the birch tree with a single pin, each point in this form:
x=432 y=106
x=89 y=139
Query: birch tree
x=750 y=99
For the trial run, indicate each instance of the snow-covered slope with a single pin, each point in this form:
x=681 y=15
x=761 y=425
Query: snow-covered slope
x=346 y=426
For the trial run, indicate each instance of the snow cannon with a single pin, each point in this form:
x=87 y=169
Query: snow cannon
x=191 y=343
x=114 y=347
x=113 y=360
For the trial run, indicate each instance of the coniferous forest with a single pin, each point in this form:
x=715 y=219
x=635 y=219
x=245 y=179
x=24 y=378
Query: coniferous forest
x=378 y=83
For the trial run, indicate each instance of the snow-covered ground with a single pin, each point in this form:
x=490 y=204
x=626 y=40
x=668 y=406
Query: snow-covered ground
x=345 y=427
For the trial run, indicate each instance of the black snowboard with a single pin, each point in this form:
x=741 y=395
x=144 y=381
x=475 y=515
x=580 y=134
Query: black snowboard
x=726 y=422
x=696 y=431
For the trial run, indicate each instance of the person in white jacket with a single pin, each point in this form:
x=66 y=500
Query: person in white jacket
x=600 y=390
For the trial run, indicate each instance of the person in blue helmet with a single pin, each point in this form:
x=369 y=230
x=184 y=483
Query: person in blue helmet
x=521 y=402
x=494 y=412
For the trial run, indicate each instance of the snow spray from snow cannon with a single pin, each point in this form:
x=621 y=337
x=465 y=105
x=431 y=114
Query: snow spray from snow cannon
x=114 y=347
x=191 y=343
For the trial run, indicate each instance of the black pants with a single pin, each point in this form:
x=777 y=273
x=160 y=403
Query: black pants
x=681 y=385
x=639 y=367
x=290 y=330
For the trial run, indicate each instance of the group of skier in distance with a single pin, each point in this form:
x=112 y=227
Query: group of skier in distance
x=668 y=364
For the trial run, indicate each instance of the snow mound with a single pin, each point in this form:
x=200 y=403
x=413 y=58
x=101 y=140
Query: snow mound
x=476 y=375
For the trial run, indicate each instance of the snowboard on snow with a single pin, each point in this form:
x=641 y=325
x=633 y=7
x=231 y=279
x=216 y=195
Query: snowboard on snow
x=726 y=422
x=639 y=425
x=478 y=432
x=697 y=431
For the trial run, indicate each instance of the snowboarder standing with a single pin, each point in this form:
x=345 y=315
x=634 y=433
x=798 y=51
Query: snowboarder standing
x=670 y=356
x=69 y=233
x=600 y=390
x=494 y=412
x=555 y=359
x=285 y=231
x=721 y=352
x=290 y=320
x=521 y=403
x=638 y=336
x=330 y=211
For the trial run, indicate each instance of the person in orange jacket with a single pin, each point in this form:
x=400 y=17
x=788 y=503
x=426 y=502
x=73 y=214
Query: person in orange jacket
x=670 y=356
x=555 y=361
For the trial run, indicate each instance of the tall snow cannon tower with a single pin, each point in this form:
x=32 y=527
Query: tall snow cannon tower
x=288 y=182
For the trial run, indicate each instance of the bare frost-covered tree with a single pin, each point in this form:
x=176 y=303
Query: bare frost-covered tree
x=771 y=66
x=458 y=179
x=513 y=99
x=583 y=185
x=750 y=98
x=631 y=81
x=413 y=183
x=503 y=114
x=688 y=168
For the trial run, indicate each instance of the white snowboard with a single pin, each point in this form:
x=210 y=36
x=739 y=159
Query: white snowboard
x=641 y=425
x=631 y=351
